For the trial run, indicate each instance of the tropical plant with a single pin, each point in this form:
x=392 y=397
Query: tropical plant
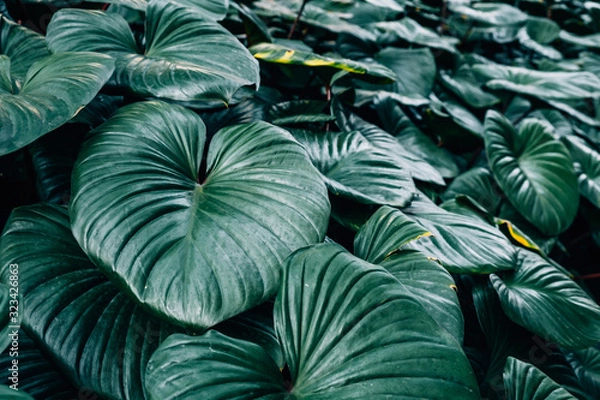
x=299 y=199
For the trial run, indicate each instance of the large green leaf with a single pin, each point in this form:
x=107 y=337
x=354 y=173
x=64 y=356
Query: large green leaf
x=53 y=91
x=23 y=46
x=534 y=170
x=411 y=31
x=195 y=246
x=348 y=329
x=91 y=330
x=587 y=167
x=460 y=243
x=381 y=240
x=38 y=376
x=542 y=30
x=540 y=297
x=275 y=53
x=586 y=364
x=355 y=169
x=541 y=84
x=416 y=165
x=185 y=56
x=523 y=381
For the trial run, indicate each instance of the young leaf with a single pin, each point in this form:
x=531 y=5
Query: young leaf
x=194 y=246
x=534 y=170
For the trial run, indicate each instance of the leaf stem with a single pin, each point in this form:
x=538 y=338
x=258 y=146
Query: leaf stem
x=297 y=18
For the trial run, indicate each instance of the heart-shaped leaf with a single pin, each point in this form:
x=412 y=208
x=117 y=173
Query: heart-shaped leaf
x=186 y=57
x=355 y=169
x=540 y=297
x=534 y=170
x=523 y=381
x=414 y=68
x=53 y=91
x=348 y=330
x=194 y=249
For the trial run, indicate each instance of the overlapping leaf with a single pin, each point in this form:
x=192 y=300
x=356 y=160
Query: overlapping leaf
x=541 y=84
x=185 y=56
x=53 y=91
x=355 y=169
x=209 y=242
x=332 y=309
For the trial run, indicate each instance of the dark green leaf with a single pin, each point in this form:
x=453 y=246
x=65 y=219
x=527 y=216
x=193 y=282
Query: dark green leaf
x=334 y=308
x=540 y=297
x=587 y=168
x=94 y=333
x=586 y=363
x=478 y=184
x=523 y=381
x=541 y=84
x=485 y=14
x=412 y=32
x=23 y=46
x=534 y=170
x=186 y=57
x=209 y=248
x=461 y=244
x=385 y=233
x=399 y=125
x=418 y=167
x=353 y=168
x=37 y=375
x=8 y=393
x=53 y=91
x=415 y=69
x=464 y=84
